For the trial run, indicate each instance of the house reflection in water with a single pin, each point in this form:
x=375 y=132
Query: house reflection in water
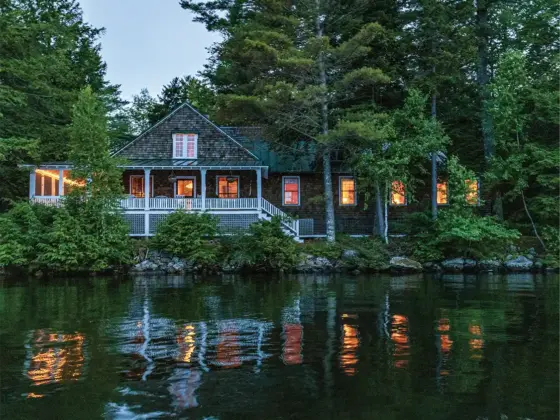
x=228 y=352
x=476 y=342
x=445 y=344
x=185 y=340
x=54 y=358
x=292 y=332
x=399 y=337
x=183 y=386
x=350 y=345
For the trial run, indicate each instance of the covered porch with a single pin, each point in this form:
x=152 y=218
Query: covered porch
x=155 y=188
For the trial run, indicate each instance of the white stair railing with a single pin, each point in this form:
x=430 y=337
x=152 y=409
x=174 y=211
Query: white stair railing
x=287 y=221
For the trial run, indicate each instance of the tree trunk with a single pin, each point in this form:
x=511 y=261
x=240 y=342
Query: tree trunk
x=434 y=168
x=379 y=211
x=327 y=174
x=483 y=77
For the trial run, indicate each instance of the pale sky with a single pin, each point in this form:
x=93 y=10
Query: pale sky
x=148 y=42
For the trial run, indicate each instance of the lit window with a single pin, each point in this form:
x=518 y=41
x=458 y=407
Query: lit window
x=291 y=191
x=136 y=187
x=228 y=186
x=347 y=191
x=185 y=146
x=398 y=197
x=472 y=191
x=185 y=188
x=441 y=196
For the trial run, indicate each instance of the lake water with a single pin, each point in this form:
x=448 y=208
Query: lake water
x=294 y=347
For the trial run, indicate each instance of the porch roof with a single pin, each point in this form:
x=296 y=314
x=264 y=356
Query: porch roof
x=168 y=164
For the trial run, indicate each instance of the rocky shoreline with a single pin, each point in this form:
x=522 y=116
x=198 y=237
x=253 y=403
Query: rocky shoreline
x=159 y=262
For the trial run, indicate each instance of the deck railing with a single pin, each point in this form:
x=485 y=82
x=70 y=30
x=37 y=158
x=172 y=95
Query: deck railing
x=169 y=203
x=288 y=221
x=55 y=201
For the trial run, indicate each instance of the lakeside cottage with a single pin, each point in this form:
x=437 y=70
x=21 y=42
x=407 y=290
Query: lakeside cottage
x=185 y=161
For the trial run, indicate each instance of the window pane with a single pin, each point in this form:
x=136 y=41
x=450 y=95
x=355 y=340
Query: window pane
x=137 y=186
x=178 y=145
x=472 y=191
x=227 y=188
x=397 y=194
x=441 y=195
x=185 y=188
x=191 y=143
x=347 y=191
x=291 y=191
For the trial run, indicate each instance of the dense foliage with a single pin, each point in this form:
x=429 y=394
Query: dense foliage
x=265 y=247
x=188 y=235
x=88 y=232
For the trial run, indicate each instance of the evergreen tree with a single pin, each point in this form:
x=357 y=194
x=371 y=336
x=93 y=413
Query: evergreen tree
x=47 y=54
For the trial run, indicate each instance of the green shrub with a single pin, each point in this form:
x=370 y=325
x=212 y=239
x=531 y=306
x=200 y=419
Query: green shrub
x=551 y=238
x=187 y=235
x=322 y=248
x=372 y=253
x=266 y=247
x=464 y=234
x=83 y=237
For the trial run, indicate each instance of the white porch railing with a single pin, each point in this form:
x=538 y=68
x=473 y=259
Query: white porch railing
x=289 y=222
x=231 y=203
x=48 y=200
x=168 y=203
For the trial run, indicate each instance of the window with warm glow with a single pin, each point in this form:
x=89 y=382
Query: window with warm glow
x=442 y=197
x=291 y=191
x=136 y=187
x=398 y=197
x=472 y=191
x=347 y=191
x=46 y=182
x=228 y=186
x=185 y=188
x=185 y=146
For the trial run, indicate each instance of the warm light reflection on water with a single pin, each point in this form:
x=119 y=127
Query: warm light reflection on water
x=185 y=339
x=55 y=358
x=350 y=344
x=399 y=336
x=476 y=342
x=227 y=350
x=291 y=353
x=445 y=340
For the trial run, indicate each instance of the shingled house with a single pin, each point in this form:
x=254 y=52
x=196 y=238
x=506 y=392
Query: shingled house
x=185 y=161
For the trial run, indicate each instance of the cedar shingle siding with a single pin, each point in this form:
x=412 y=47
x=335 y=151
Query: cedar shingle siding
x=157 y=143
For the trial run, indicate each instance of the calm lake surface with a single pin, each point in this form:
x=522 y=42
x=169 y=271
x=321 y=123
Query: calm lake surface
x=295 y=347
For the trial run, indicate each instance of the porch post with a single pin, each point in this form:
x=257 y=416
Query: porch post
x=147 y=186
x=61 y=182
x=32 y=184
x=259 y=188
x=203 y=188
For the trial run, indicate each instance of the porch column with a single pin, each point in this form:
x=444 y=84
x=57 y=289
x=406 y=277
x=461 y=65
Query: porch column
x=32 y=184
x=147 y=186
x=259 y=188
x=61 y=182
x=203 y=188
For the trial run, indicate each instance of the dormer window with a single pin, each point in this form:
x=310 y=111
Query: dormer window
x=185 y=146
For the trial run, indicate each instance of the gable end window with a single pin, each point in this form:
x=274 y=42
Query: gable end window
x=347 y=191
x=398 y=196
x=185 y=146
x=290 y=190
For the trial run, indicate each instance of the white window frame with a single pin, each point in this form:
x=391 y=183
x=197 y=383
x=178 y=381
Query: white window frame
x=227 y=176
x=184 y=177
x=152 y=195
x=391 y=204
x=185 y=141
x=355 y=203
x=298 y=191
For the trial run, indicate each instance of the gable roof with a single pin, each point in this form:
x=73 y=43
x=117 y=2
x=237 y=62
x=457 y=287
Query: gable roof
x=174 y=112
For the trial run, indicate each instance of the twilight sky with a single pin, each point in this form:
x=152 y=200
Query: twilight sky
x=148 y=42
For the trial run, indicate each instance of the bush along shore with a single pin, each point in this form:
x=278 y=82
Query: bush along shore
x=48 y=241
